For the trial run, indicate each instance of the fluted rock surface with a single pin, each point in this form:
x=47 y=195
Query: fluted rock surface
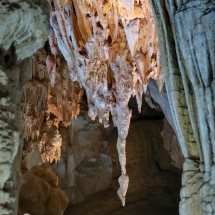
x=187 y=45
x=24 y=29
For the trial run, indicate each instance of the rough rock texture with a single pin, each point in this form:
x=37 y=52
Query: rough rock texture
x=44 y=106
x=111 y=49
x=187 y=44
x=39 y=192
x=84 y=168
x=24 y=28
x=35 y=96
x=154 y=182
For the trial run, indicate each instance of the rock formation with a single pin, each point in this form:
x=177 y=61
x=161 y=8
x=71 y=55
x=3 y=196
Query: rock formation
x=85 y=166
x=186 y=39
x=154 y=182
x=24 y=29
x=45 y=104
x=39 y=192
x=111 y=49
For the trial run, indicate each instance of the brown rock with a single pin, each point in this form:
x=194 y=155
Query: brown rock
x=39 y=194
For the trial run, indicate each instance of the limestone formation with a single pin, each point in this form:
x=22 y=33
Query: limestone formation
x=186 y=39
x=154 y=183
x=39 y=192
x=108 y=48
x=111 y=49
x=24 y=29
x=85 y=167
x=47 y=101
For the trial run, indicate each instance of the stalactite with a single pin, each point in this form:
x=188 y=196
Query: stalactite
x=49 y=98
x=111 y=49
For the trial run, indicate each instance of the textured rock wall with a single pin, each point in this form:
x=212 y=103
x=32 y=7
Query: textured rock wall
x=89 y=160
x=187 y=44
x=148 y=163
x=171 y=145
x=24 y=28
x=169 y=132
x=84 y=167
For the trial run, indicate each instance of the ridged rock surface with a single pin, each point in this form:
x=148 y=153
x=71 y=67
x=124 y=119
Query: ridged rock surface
x=24 y=29
x=187 y=45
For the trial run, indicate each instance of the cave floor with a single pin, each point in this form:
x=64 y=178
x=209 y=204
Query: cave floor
x=150 y=201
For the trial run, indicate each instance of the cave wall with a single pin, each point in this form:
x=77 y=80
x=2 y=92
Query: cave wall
x=85 y=166
x=111 y=77
x=154 y=182
x=24 y=29
x=187 y=44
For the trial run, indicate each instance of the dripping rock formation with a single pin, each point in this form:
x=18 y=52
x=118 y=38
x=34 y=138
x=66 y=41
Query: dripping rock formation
x=107 y=96
x=111 y=49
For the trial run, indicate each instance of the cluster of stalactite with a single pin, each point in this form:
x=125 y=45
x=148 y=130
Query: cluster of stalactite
x=111 y=49
x=46 y=104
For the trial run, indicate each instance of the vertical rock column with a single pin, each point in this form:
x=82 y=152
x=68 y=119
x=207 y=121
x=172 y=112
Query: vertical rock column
x=186 y=37
x=24 y=28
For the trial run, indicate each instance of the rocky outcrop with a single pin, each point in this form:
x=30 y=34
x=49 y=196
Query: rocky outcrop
x=24 y=29
x=185 y=30
x=39 y=192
